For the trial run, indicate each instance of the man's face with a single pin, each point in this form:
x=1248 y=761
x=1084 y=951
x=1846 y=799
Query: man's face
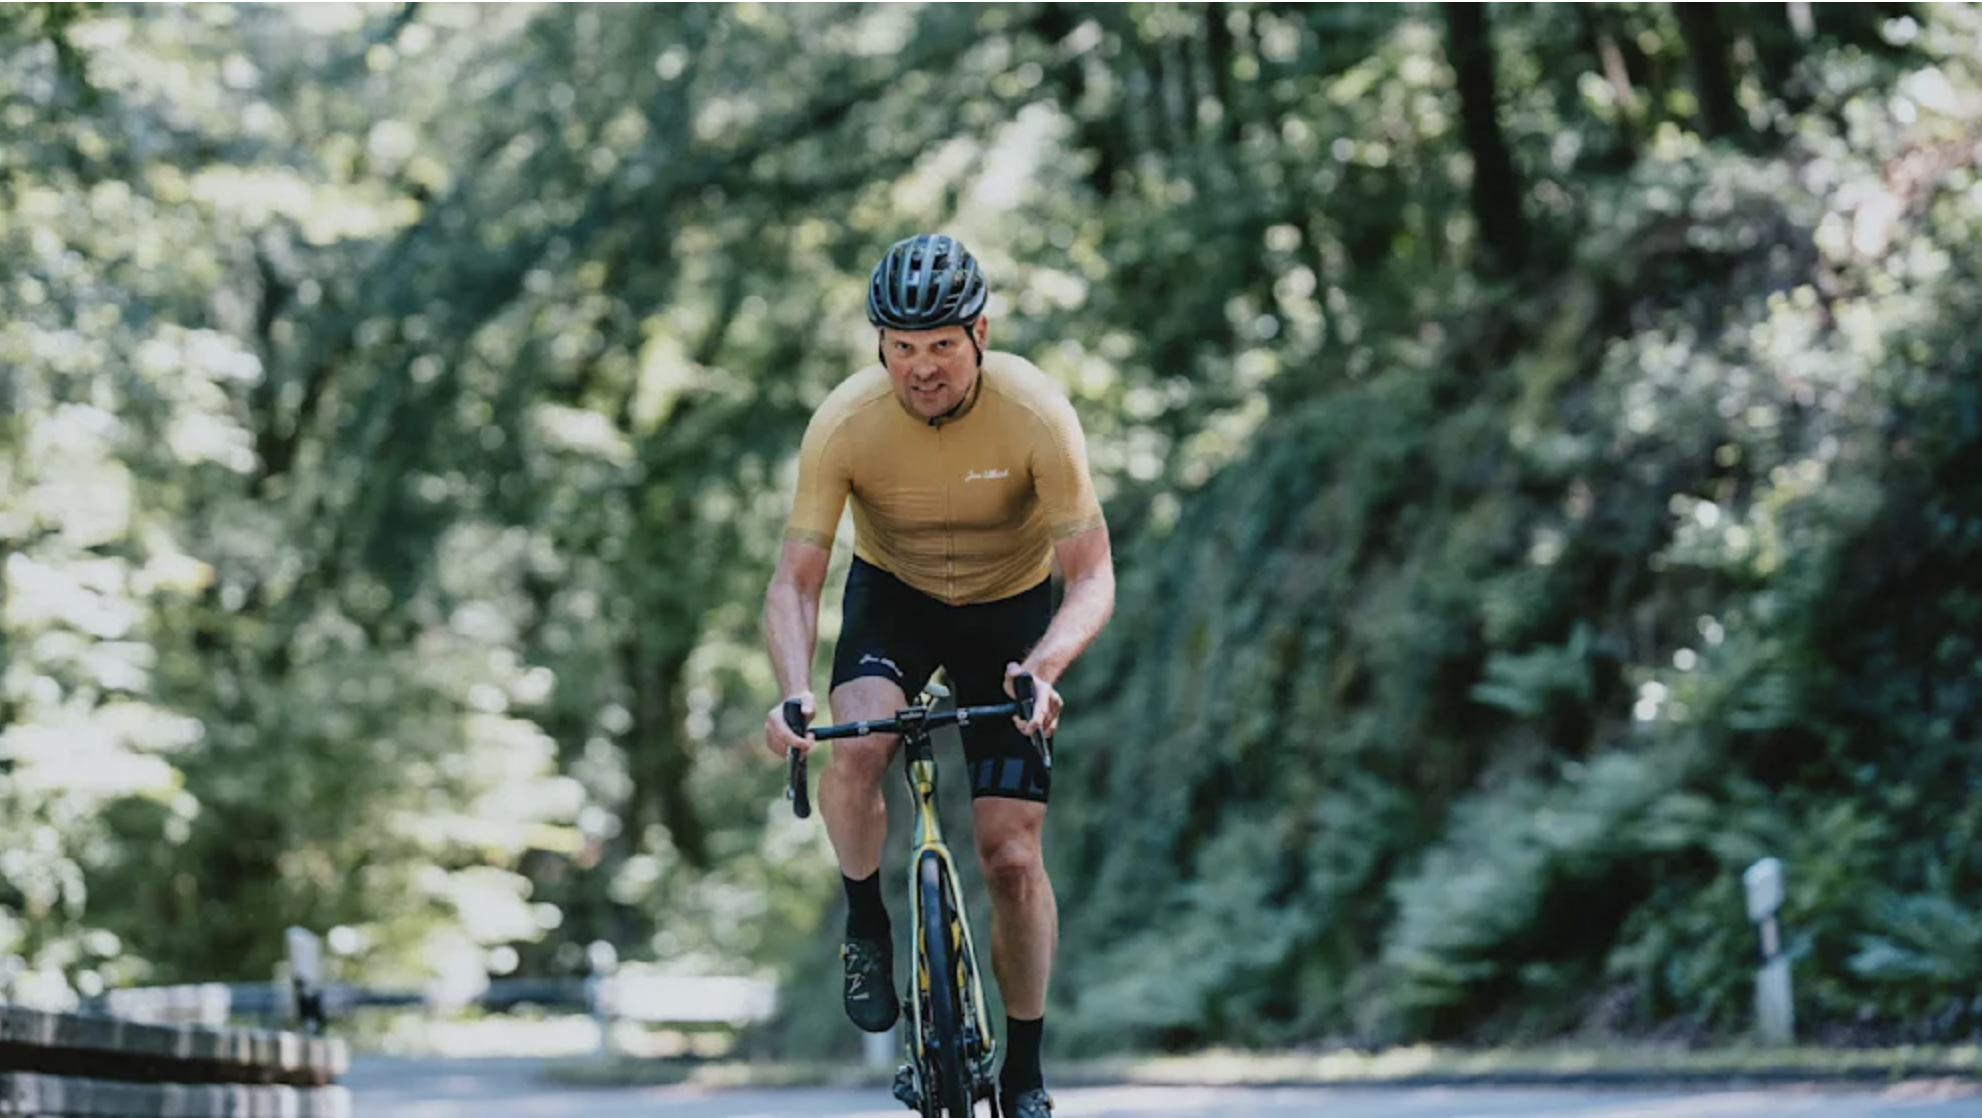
x=932 y=370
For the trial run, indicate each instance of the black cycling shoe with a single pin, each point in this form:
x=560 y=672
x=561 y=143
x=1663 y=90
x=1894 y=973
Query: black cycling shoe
x=870 y=984
x=1035 y=1103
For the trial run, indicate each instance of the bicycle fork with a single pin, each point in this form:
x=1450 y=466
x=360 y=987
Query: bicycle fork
x=928 y=842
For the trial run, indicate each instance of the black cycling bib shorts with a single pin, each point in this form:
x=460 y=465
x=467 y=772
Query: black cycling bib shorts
x=892 y=631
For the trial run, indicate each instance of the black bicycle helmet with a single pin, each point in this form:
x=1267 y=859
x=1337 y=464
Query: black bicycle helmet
x=924 y=282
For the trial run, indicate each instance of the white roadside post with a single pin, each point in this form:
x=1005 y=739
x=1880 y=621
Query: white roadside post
x=602 y=961
x=1775 y=1010
x=306 y=978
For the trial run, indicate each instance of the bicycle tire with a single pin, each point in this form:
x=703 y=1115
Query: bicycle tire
x=943 y=1045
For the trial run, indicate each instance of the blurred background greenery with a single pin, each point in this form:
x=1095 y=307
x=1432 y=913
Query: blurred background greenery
x=1543 y=445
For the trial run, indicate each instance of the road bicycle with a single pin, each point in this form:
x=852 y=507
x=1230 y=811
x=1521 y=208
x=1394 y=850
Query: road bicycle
x=948 y=1046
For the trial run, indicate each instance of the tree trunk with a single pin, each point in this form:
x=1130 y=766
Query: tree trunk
x=1103 y=139
x=656 y=753
x=1221 y=51
x=1496 y=187
x=1601 y=39
x=1706 y=47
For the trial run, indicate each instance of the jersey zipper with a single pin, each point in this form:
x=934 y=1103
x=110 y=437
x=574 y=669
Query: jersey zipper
x=949 y=518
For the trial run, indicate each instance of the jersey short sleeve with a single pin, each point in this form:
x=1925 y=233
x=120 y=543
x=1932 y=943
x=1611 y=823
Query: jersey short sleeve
x=1059 y=472
x=825 y=478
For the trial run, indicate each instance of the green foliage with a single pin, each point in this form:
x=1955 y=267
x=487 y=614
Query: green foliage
x=1529 y=870
x=1926 y=943
x=1529 y=684
x=1608 y=653
x=384 y=478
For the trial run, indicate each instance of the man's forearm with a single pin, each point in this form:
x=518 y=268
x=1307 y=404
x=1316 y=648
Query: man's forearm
x=1084 y=610
x=791 y=625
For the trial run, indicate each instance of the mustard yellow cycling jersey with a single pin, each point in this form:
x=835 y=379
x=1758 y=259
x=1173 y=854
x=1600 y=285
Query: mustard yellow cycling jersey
x=965 y=510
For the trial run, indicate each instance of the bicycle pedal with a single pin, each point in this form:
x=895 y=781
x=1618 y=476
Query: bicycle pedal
x=905 y=1088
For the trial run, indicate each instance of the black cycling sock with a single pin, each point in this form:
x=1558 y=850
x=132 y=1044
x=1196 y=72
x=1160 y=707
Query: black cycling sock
x=866 y=912
x=1021 y=1071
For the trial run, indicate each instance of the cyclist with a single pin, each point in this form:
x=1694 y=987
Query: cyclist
x=967 y=471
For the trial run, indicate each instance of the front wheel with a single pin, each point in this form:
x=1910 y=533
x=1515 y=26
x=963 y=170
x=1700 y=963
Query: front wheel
x=943 y=1036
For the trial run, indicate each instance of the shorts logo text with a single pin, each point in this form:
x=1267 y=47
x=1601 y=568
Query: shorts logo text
x=870 y=658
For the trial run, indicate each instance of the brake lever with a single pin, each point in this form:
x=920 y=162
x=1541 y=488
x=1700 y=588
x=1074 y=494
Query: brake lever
x=795 y=789
x=1027 y=693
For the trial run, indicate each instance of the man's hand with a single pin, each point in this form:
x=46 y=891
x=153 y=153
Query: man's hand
x=778 y=737
x=1045 y=703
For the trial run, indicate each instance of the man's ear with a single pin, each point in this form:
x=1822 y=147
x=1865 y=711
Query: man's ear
x=981 y=328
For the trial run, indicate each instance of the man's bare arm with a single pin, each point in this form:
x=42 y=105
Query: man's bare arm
x=1086 y=603
x=791 y=614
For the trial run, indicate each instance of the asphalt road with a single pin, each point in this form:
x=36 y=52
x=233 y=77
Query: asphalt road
x=501 y=1088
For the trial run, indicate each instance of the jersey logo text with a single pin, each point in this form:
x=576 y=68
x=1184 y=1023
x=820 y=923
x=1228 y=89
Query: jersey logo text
x=987 y=475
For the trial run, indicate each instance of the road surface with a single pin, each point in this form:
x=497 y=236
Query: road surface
x=503 y=1088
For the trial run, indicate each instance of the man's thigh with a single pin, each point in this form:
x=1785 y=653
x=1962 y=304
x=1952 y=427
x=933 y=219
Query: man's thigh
x=866 y=699
x=860 y=762
x=1003 y=763
x=884 y=634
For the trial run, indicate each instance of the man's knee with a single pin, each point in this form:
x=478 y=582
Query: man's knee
x=1012 y=866
x=859 y=763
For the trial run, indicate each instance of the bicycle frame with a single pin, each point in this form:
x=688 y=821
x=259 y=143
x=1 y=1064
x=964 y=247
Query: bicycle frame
x=914 y=724
x=919 y=768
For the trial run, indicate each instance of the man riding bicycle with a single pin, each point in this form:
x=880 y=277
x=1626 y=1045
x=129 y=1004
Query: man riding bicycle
x=967 y=471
